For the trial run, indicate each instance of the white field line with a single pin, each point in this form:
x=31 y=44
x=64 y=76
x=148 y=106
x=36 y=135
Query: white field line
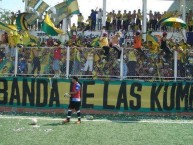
x=101 y=120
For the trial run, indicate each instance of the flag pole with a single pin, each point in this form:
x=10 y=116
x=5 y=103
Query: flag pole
x=26 y=4
x=65 y=26
x=144 y=27
x=104 y=12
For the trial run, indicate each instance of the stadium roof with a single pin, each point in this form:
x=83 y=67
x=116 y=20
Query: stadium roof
x=176 y=5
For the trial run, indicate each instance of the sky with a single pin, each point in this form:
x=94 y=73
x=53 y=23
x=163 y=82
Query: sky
x=86 y=5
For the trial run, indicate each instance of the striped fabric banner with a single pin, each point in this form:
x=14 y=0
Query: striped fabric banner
x=73 y=7
x=33 y=3
x=21 y=22
x=42 y=8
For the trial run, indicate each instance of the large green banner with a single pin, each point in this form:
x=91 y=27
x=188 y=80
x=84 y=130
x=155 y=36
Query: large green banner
x=128 y=96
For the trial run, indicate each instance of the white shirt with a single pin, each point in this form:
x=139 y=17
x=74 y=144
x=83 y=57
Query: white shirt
x=100 y=14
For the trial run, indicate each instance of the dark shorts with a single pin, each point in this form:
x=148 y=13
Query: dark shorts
x=74 y=105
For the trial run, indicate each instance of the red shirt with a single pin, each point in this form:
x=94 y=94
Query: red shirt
x=76 y=88
x=137 y=42
x=57 y=53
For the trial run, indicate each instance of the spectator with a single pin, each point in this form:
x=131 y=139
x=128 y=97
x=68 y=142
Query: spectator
x=99 y=20
x=108 y=21
x=129 y=17
x=77 y=66
x=180 y=61
x=36 y=61
x=80 y=21
x=56 y=61
x=125 y=20
x=138 y=20
x=115 y=44
x=138 y=43
x=88 y=25
x=154 y=23
x=50 y=42
x=165 y=47
x=73 y=32
x=132 y=63
x=151 y=18
x=133 y=19
x=104 y=44
x=4 y=38
x=119 y=20
x=93 y=19
x=89 y=62
x=114 y=17
x=125 y=70
x=13 y=18
x=22 y=66
x=122 y=38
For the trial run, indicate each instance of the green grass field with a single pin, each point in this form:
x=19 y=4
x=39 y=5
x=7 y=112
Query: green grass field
x=15 y=130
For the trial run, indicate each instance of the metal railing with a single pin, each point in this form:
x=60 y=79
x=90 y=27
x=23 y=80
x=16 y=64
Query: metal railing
x=90 y=63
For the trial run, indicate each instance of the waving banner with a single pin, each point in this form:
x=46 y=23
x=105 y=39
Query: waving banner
x=42 y=8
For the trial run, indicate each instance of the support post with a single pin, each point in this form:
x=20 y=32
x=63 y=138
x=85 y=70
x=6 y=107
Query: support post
x=26 y=4
x=104 y=12
x=65 y=28
x=16 y=61
x=144 y=24
x=67 y=62
x=175 y=65
x=121 y=65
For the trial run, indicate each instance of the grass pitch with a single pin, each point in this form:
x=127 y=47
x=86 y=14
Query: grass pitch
x=15 y=130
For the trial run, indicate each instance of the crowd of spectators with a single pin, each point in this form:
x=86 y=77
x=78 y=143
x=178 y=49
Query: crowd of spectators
x=106 y=55
x=128 y=20
x=90 y=56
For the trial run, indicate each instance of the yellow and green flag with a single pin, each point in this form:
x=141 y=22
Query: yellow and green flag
x=72 y=6
x=165 y=16
x=64 y=9
x=49 y=28
x=21 y=22
x=42 y=8
x=33 y=3
x=7 y=28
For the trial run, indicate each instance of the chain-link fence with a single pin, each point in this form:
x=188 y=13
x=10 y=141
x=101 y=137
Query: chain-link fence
x=8 y=59
x=147 y=65
x=91 y=63
x=34 y=62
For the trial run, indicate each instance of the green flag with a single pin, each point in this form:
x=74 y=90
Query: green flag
x=21 y=22
x=72 y=7
x=49 y=28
